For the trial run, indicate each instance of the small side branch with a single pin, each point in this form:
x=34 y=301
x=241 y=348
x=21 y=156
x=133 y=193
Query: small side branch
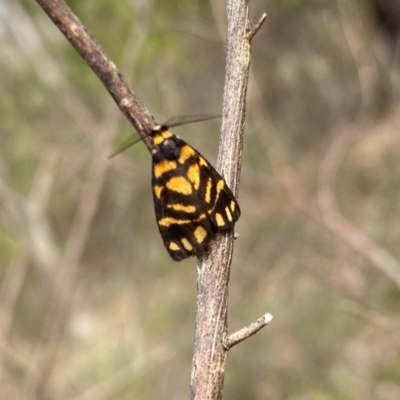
x=257 y=27
x=247 y=331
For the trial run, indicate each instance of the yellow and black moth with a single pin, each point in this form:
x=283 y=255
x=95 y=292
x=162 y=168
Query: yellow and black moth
x=191 y=199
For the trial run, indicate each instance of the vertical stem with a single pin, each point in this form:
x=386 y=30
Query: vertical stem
x=213 y=271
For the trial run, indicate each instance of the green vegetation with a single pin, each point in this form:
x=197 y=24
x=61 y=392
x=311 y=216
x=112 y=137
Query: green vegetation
x=327 y=78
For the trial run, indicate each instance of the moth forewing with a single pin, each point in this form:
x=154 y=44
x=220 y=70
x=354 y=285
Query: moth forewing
x=192 y=201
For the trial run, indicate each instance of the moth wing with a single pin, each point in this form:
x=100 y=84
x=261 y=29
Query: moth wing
x=222 y=206
x=192 y=202
x=182 y=218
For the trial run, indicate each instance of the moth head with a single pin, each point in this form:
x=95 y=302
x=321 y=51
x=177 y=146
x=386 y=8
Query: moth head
x=169 y=149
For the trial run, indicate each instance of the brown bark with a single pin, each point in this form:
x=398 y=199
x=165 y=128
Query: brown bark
x=102 y=66
x=210 y=350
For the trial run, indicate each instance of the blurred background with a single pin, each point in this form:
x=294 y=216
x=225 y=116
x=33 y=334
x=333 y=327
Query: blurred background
x=91 y=305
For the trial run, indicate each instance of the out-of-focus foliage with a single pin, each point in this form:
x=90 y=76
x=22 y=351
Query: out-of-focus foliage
x=323 y=120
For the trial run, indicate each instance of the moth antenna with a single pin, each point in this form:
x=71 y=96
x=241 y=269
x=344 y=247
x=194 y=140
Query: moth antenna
x=128 y=143
x=188 y=119
x=172 y=122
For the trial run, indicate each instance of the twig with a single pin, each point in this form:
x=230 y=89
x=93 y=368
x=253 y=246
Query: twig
x=249 y=330
x=256 y=27
x=373 y=317
x=127 y=375
x=9 y=292
x=101 y=65
x=140 y=118
x=330 y=219
x=209 y=357
x=16 y=355
x=44 y=245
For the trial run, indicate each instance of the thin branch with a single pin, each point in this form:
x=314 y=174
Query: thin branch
x=213 y=271
x=382 y=321
x=256 y=27
x=125 y=376
x=101 y=65
x=44 y=245
x=329 y=218
x=363 y=245
x=249 y=330
x=9 y=292
x=140 y=118
x=16 y=355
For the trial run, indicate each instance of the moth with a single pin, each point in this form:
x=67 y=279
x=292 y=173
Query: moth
x=192 y=201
